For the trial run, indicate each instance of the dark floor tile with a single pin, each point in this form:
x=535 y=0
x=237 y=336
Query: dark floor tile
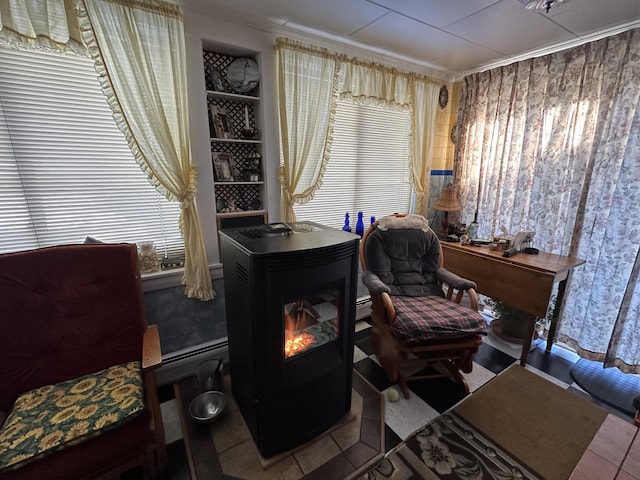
x=439 y=393
x=362 y=340
x=177 y=464
x=178 y=468
x=370 y=430
x=374 y=373
x=391 y=439
x=338 y=467
x=209 y=467
x=360 y=453
x=550 y=363
x=493 y=359
x=363 y=387
x=133 y=474
x=166 y=393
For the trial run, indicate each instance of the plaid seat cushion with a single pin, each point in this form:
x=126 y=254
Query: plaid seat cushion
x=432 y=317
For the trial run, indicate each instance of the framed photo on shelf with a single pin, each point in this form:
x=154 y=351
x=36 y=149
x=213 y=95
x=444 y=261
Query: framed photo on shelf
x=220 y=122
x=222 y=167
x=218 y=81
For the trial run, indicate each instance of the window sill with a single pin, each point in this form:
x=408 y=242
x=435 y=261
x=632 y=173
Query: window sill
x=172 y=278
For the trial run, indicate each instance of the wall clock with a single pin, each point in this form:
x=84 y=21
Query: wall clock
x=243 y=75
x=443 y=99
x=454 y=133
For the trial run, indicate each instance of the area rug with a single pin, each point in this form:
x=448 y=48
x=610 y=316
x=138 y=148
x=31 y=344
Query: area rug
x=609 y=385
x=518 y=425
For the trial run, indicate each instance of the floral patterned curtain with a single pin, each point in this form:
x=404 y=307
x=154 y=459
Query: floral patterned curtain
x=553 y=144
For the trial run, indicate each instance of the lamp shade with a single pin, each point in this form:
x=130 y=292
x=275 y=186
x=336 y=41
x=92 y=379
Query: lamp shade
x=448 y=200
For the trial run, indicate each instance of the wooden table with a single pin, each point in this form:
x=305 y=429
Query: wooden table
x=523 y=281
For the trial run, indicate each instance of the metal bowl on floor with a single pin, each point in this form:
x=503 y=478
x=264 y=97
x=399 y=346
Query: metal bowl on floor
x=207 y=406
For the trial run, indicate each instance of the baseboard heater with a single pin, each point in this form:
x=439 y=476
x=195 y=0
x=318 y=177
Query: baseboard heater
x=182 y=363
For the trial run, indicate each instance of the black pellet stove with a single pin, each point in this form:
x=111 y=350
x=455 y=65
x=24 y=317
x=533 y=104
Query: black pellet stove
x=290 y=294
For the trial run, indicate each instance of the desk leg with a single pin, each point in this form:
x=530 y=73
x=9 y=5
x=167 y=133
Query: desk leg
x=526 y=344
x=556 y=314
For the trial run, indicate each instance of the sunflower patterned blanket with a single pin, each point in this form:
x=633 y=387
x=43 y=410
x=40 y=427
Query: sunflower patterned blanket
x=53 y=417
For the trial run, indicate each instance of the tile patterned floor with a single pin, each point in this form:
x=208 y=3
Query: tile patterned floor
x=225 y=450
x=428 y=397
x=614 y=453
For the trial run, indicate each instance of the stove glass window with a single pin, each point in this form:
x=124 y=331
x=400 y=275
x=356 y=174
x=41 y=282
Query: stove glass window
x=311 y=322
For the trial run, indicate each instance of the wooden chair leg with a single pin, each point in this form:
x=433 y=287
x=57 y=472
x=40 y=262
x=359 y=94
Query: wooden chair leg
x=459 y=378
x=404 y=388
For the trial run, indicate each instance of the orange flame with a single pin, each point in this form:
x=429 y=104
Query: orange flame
x=298 y=344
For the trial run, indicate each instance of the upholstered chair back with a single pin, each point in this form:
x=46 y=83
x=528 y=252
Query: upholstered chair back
x=67 y=311
x=406 y=260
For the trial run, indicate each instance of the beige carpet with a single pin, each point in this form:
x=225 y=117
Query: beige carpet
x=540 y=423
x=517 y=424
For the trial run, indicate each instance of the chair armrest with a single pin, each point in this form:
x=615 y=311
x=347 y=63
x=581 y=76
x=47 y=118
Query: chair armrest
x=382 y=310
x=373 y=283
x=151 y=352
x=453 y=280
x=462 y=285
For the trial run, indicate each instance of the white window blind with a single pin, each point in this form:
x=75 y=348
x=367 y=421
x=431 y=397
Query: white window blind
x=368 y=169
x=66 y=171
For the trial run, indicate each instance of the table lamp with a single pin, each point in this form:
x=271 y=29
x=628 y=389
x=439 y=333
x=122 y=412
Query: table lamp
x=447 y=202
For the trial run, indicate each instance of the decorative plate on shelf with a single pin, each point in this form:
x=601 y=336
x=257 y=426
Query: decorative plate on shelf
x=243 y=75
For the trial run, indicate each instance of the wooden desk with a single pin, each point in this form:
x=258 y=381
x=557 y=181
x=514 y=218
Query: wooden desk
x=524 y=281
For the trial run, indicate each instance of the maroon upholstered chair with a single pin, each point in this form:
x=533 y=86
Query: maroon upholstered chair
x=415 y=323
x=70 y=311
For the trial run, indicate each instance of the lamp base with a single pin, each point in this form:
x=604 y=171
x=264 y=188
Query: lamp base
x=445 y=225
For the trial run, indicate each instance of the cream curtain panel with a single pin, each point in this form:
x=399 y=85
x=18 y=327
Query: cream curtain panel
x=359 y=81
x=423 y=121
x=307 y=104
x=139 y=51
x=553 y=143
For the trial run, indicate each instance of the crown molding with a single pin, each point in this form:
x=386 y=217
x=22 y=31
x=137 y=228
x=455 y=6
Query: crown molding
x=581 y=40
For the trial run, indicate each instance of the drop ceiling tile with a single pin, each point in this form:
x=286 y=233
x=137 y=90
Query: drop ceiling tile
x=437 y=13
x=410 y=38
x=448 y=34
x=334 y=16
x=510 y=29
x=470 y=58
x=586 y=18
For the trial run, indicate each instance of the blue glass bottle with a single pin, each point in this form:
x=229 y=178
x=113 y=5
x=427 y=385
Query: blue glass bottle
x=360 y=225
x=346 y=227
